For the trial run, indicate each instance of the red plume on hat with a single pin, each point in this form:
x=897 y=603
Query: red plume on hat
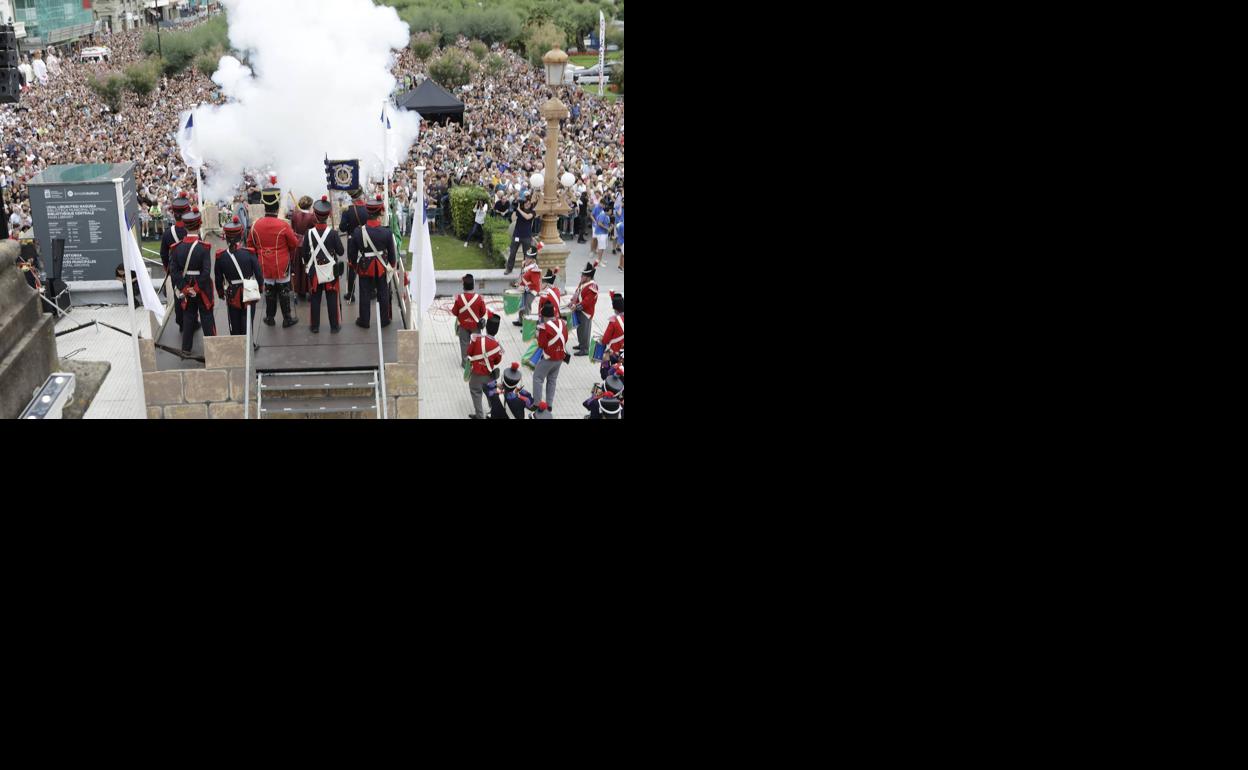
x=515 y=366
x=273 y=179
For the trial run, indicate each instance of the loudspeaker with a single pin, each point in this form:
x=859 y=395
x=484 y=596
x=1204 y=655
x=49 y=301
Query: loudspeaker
x=10 y=86
x=8 y=58
x=58 y=259
x=8 y=39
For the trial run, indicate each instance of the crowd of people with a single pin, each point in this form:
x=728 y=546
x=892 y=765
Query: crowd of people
x=499 y=146
x=60 y=120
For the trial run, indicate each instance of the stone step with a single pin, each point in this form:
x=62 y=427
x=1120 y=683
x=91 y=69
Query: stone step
x=294 y=384
x=317 y=406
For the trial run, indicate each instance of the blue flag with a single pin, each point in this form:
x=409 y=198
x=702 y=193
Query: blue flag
x=342 y=174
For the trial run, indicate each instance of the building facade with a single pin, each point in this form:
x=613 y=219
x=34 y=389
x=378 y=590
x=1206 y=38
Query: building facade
x=49 y=22
x=121 y=15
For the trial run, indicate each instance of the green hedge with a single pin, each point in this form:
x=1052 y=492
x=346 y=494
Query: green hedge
x=497 y=238
x=462 y=201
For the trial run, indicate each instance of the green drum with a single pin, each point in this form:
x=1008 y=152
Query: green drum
x=529 y=330
x=511 y=301
x=527 y=360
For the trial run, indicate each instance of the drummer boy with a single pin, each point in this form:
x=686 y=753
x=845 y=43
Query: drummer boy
x=531 y=282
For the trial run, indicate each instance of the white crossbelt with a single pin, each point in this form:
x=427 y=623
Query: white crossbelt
x=468 y=307
x=561 y=334
x=485 y=351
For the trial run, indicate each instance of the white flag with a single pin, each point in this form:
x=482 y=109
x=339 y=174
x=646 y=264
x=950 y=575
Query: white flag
x=422 y=265
x=189 y=156
x=133 y=260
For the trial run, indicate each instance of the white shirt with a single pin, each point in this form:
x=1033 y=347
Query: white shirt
x=480 y=219
x=41 y=71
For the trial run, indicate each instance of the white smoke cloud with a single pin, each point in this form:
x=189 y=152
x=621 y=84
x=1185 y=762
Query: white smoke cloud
x=320 y=72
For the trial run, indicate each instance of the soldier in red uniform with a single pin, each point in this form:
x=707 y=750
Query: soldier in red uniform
x=318 y=260
x=273 y=240
x=552 y=335
x=584 y=302
x=469 y=312
x=301 y=220
x=613 y=337
x=191 y=262
x=371 y=249
x=531 y=282
x=550 y=294
x=235 y=263
x=485 y=353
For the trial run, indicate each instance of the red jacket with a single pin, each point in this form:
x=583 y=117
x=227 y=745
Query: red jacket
x=549 y=295
x=613 y=337
x=483 y=362
x=532 y=279
x=551 y=337
x=272 y=240
x=587 y=297
x=466 y=307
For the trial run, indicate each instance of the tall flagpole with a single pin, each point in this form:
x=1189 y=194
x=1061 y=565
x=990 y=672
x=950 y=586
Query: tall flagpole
x=127 y=269
x=602 y=49
x=385 y=162
x=417 y=241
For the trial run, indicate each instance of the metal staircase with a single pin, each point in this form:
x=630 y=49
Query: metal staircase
x=310 y=394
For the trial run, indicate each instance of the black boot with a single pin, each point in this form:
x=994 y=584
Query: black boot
x=287 y=319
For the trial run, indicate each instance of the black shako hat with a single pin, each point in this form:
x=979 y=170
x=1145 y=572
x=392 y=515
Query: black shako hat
x=322 y=208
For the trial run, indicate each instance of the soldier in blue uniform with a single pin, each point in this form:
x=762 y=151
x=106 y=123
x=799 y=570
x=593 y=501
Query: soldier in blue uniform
x=191 y=263
x=517 y=399
x=353 y=218
x=371 y=250
x=321 y=247
x=230 y=261
x=494 y=396
x=172 y=237
x=609 y=394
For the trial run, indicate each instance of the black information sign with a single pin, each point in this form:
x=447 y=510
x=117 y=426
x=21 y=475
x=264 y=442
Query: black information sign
x=79 y=204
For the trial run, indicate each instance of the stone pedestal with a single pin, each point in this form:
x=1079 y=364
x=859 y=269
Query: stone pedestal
x=552 y=256
x=27 y=337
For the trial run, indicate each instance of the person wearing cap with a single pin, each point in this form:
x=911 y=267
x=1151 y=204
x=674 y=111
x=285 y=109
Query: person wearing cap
x=550 y=294
x=172 y=237
x=542 y=411
x=353 y=218
x=613 y=337
x=469 y=311
x=235 y=263
x=611 y=407
x=552 y=335
x=371 y=249
x=514 y=396
x=301 y=220
x=531 y=282
x=584 y=303
x=484 y=354
x=318 y=260
x=273 y=240
x=191 y=261
x=494 y=396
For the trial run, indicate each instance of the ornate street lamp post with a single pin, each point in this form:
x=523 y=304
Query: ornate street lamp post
x=553 y=205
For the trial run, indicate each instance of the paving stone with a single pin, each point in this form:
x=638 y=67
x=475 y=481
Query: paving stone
x=409 y=346
x=162 y=387
x=409 y=408
x=402 y=379
x=206 y=385
x=147 y=354
x=155 y=413
x=226 y=411
x=187 y=412
x=223 y=352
